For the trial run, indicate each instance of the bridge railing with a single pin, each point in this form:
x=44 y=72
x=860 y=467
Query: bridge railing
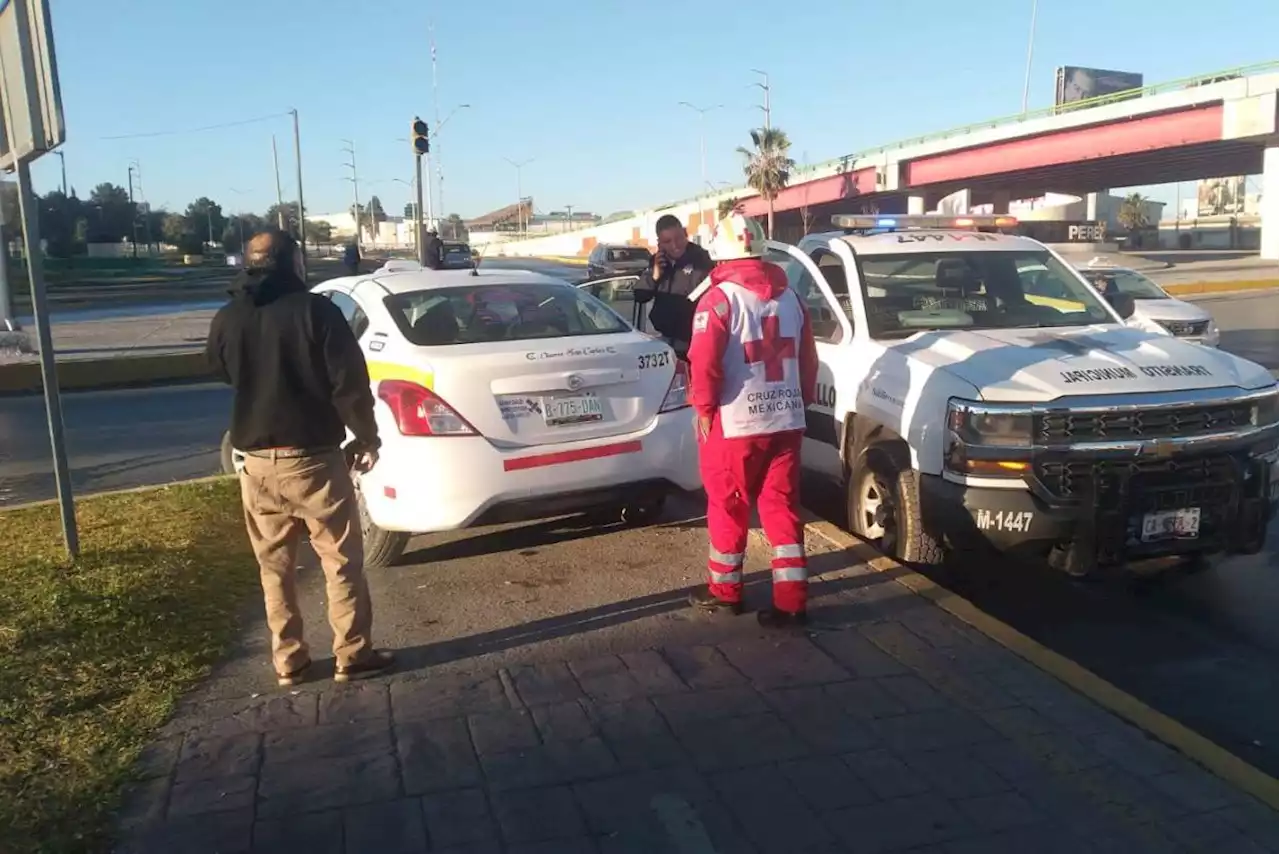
x=846 y=161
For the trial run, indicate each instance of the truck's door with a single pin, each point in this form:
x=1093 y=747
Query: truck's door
x=833 y=334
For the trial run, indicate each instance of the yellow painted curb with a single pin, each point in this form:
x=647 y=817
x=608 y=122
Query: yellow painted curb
x=84 y=374
x=1194 y=746
x=561 y=259
x=1220 y=287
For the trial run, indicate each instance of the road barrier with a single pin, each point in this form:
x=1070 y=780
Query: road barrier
x=1185 y=288
x=95 y=374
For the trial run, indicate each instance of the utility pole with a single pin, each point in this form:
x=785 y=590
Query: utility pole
x=519 y=190
x=568 y=217
x=1031 y=43
x=275 y=162
x=133 y=216
x=435 y=113
x=146 y=208
x=768 y=114
x=63 y=157
x=302 y=210
x=702 y=134
x=435 y=132
x=418 y=230
x=355 y=183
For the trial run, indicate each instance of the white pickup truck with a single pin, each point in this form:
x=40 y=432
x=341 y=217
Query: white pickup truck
x=961 y=410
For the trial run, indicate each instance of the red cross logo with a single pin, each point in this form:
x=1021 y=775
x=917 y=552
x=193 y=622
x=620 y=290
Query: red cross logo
x=747 y=239
x=771 y=349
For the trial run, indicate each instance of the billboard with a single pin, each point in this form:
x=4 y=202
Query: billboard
x=1075 y=83
x=31 y=120
x=1220 y=196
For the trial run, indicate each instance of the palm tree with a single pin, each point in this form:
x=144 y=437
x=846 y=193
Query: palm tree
x=1133 y=212
x=767 y=166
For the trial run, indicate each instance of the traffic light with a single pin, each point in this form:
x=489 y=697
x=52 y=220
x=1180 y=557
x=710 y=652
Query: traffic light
x=421 y=140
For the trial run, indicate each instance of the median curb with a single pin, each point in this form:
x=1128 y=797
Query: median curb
x=1218 y=761
x=561 y=259
x=128 y=490
x=99 y=374
x=1187 y=288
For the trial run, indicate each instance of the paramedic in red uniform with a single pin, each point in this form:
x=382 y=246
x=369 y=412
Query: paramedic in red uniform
x=753 y=370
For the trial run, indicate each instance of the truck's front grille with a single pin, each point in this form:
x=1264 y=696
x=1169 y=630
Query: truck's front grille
x=1185 y=328
x=1065 y=427
x=1205 y=479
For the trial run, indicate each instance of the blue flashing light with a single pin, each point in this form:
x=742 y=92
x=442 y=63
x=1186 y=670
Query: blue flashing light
x=886 y=222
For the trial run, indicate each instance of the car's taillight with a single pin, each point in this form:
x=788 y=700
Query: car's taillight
x=420 y=411
x=678 y=393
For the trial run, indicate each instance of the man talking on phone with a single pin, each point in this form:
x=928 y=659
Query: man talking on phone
x=679 y=266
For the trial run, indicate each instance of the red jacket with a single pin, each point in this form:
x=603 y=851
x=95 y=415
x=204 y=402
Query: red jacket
x=706 y=351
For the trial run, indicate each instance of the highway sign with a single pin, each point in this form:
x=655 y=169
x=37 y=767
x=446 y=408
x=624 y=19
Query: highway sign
x=31 y=120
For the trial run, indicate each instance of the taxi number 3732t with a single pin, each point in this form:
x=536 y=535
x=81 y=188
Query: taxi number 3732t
x=655 y=360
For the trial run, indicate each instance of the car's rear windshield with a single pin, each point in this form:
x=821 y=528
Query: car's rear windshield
x=477 y=314
x=628 y=253
x=461 y=249
x=983 y=290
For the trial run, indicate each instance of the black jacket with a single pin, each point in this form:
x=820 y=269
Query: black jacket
x=672 y=312
x=298 y=373
x=433 y=251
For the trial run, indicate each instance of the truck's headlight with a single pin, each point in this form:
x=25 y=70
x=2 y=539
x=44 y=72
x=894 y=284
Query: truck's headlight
x=978 y=424
x=1266 y=410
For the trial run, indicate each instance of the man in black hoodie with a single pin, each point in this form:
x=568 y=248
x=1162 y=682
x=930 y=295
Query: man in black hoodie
x=678 y=268
x=300 y=381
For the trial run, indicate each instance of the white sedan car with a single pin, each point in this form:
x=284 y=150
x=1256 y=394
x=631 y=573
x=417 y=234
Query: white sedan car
x=505 y=395
x=1154 y=310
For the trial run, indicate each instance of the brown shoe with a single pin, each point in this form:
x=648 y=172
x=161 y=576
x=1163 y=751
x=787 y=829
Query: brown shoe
x=378 y=662
x=705 y=600
x=294 y=677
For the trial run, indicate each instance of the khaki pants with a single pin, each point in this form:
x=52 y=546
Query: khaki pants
x=283 y=497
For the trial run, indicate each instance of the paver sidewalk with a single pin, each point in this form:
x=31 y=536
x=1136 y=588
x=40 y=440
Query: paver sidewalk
x=889 y=727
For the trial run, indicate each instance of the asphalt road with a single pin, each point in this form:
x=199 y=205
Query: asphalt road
x=1200 y=648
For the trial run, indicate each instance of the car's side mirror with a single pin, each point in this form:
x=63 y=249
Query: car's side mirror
x=1123 y=304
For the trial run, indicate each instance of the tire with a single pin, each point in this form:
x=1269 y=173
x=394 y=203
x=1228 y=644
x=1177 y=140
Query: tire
x=882 y=501
x=639 y=515
x=228 y=465
x=381 y=548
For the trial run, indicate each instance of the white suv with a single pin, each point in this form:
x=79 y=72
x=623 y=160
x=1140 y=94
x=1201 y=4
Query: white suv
x=962 y=407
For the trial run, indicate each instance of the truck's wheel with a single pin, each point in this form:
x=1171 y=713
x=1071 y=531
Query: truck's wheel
x=381 y=548
x=228 y=465
x=883 y=502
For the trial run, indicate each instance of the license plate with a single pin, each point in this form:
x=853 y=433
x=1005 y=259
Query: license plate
x=571 y=410
x=1182 y=524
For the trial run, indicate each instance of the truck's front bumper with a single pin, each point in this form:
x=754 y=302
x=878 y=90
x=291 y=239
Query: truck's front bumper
x=1102 y=502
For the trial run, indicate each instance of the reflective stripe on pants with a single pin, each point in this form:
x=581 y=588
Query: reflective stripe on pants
x=724 y=574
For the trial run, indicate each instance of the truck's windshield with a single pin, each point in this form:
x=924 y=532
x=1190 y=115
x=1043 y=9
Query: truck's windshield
x=907 y=293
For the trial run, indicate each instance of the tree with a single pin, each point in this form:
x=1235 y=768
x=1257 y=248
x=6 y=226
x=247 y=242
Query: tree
x=111 y=214
x=319 y=232
x=178 y=232
x=767 y=166
x=456 y=228
x=286 y=214
x=58 y=217
x=205 y=218
x=1133 y=213
x=726 y=207
x=373 y=211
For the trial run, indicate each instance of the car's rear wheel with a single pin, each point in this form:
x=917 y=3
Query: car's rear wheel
x=883 y=506
x=381 y=548
x=225 y=456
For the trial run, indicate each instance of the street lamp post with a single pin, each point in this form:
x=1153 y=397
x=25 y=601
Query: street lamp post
x=355 y=184
x=1031 y=43
x=702 y=133
x=519 y=165
x=439 y=199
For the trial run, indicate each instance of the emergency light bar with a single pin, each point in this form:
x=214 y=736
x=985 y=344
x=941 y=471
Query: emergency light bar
x=890 y=221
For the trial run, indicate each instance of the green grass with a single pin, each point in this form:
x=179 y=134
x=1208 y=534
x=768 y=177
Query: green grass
x=93 y=654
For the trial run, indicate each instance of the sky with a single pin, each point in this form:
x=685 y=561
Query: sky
x=588 y=91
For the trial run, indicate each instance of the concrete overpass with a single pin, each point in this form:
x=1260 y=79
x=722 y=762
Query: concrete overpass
x=1176 y=131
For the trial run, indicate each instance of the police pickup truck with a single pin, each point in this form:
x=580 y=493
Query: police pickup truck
x=975 y=391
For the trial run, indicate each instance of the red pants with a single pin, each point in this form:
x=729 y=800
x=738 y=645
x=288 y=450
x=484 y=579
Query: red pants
x=764 y=470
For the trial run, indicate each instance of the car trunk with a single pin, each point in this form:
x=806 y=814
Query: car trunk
x=538 y=392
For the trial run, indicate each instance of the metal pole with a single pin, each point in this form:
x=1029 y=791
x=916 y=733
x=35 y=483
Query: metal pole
x=1031 y=43
x=568 y=217
x=275 y=162
x=63 y=157
x=48 y=368
x=302 y=211
x=7 y=321
x=418 y=221
x=768 y=115
x=435 y=110
x=133 y=215
x=427 y=166
x=142 y=194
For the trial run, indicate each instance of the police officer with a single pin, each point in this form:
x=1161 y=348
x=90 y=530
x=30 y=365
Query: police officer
x=433 y=251
x=679 y=266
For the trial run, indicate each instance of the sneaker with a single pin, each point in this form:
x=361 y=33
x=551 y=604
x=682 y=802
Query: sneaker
x=775 y=619
x=704 y=599
x=379 y=662
x=294 y=677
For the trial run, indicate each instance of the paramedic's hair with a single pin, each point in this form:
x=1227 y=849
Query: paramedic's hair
x=667 y=221
x=270 y=251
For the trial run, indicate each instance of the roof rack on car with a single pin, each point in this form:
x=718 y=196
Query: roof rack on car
x=894 y=222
